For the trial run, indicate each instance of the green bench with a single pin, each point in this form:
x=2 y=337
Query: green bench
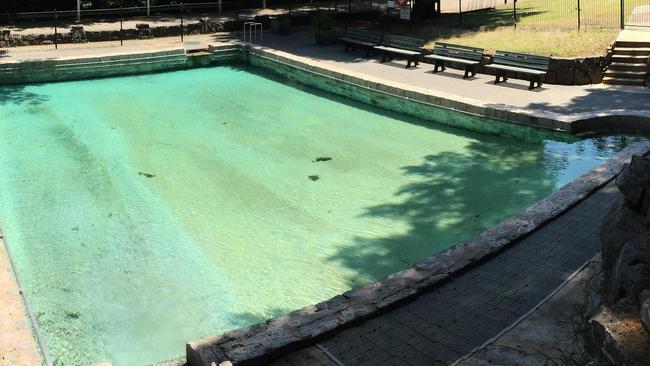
x=445 y=53
x=354 y=38
x=404 y=47
x=533 y=67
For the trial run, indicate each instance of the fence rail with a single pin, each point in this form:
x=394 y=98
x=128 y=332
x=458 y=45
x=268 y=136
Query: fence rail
x=60 y=28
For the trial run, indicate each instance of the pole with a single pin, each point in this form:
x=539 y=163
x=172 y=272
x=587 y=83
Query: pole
x=78 y=10
x=56 y=30
x=514 y=12
x=121 y=25
x=349 y=12
x=460 y=13
x=579 y=15
x=220 y=7
x=148 y=8
x=182 y=23
x=622 y=14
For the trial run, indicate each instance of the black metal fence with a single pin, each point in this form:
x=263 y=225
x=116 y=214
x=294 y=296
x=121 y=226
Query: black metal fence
x=119 y=25
x=555 y=14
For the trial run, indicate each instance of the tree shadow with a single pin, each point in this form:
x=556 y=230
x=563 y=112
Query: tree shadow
x=450 y=25
x=455 y=197
x=20 y=95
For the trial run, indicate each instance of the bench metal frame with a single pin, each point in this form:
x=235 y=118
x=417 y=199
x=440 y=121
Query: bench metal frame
x=520 y=63
x=470 y=57
x=403 y=43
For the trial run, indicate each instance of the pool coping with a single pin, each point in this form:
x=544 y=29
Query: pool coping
x=258 y=344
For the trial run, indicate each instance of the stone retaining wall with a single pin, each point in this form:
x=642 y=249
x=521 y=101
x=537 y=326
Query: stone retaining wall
x=112 y=65
x=568 y=71
x=258 y=344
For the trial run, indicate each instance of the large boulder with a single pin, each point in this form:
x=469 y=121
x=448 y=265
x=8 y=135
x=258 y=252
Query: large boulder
x=620 y=327
x=78 y=34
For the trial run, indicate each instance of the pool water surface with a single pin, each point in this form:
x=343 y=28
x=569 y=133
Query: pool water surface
x=147 y=211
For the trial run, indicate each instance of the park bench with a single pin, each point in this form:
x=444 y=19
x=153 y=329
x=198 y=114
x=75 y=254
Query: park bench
x=360 y=38
x=445 y=53
x=405 y=47
x=532 y=68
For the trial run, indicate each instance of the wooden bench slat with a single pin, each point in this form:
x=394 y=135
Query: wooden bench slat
x=522 y=70
x=452 y=59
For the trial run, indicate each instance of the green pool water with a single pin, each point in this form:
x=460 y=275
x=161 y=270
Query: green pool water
x=147 y=211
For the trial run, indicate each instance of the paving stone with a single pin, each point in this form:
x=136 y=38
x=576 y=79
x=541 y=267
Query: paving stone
x=481 y=302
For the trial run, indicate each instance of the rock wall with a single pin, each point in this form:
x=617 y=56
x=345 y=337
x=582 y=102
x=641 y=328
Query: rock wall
x=77 y=34
x=620 y=326
x=569 y=71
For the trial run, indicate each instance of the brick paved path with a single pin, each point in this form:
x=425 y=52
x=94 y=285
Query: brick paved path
x=462 y=314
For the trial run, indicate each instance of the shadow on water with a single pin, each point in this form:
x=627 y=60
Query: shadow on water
x=20 y=95
x=456 y=197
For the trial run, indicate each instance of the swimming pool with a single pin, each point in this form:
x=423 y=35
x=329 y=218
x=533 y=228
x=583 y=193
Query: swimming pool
x=146 y=211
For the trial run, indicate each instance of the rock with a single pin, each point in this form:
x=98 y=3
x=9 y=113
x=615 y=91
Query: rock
x=6 y=39
x=619 y=327
x=644 y=300
x=634 y=183
x=144 y=31
x=209 y=25
x=77 y=34
x=616 y=333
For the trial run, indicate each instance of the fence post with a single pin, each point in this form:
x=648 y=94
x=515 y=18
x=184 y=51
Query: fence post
x=56 y=30
x=182 y=39
x=121 y=25
x=579 y=10
x=460 y=13
x=622 y=14
x=514 y=12
x=349 y=12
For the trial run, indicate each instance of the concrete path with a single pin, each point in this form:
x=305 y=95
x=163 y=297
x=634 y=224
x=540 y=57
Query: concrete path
x=550 y=334
x=464 y=313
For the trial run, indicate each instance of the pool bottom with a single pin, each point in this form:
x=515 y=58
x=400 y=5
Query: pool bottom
x=180 y=201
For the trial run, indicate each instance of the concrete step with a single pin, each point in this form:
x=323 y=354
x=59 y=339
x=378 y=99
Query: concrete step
x=632 y=59
x=632 y=44
x=617 y=74
x=641 y=51
x=617 y=81
x=622 y=66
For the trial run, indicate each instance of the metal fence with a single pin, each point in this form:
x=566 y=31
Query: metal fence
x=116 y=26
x=555 y=14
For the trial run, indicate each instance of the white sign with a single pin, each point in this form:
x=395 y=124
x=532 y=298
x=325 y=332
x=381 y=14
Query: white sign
x=405 y=12
x=390 y=4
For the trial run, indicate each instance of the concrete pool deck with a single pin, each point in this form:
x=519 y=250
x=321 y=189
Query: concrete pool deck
x=599 y=104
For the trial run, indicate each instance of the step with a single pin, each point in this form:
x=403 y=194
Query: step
x=641 y=51
x=616 y=74
x=616 y=81
x=632 y=59
x=623 y=66
x=632 y=44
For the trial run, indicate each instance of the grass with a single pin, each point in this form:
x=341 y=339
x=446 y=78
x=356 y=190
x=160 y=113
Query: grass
x=548 y=43
x=548 y=27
